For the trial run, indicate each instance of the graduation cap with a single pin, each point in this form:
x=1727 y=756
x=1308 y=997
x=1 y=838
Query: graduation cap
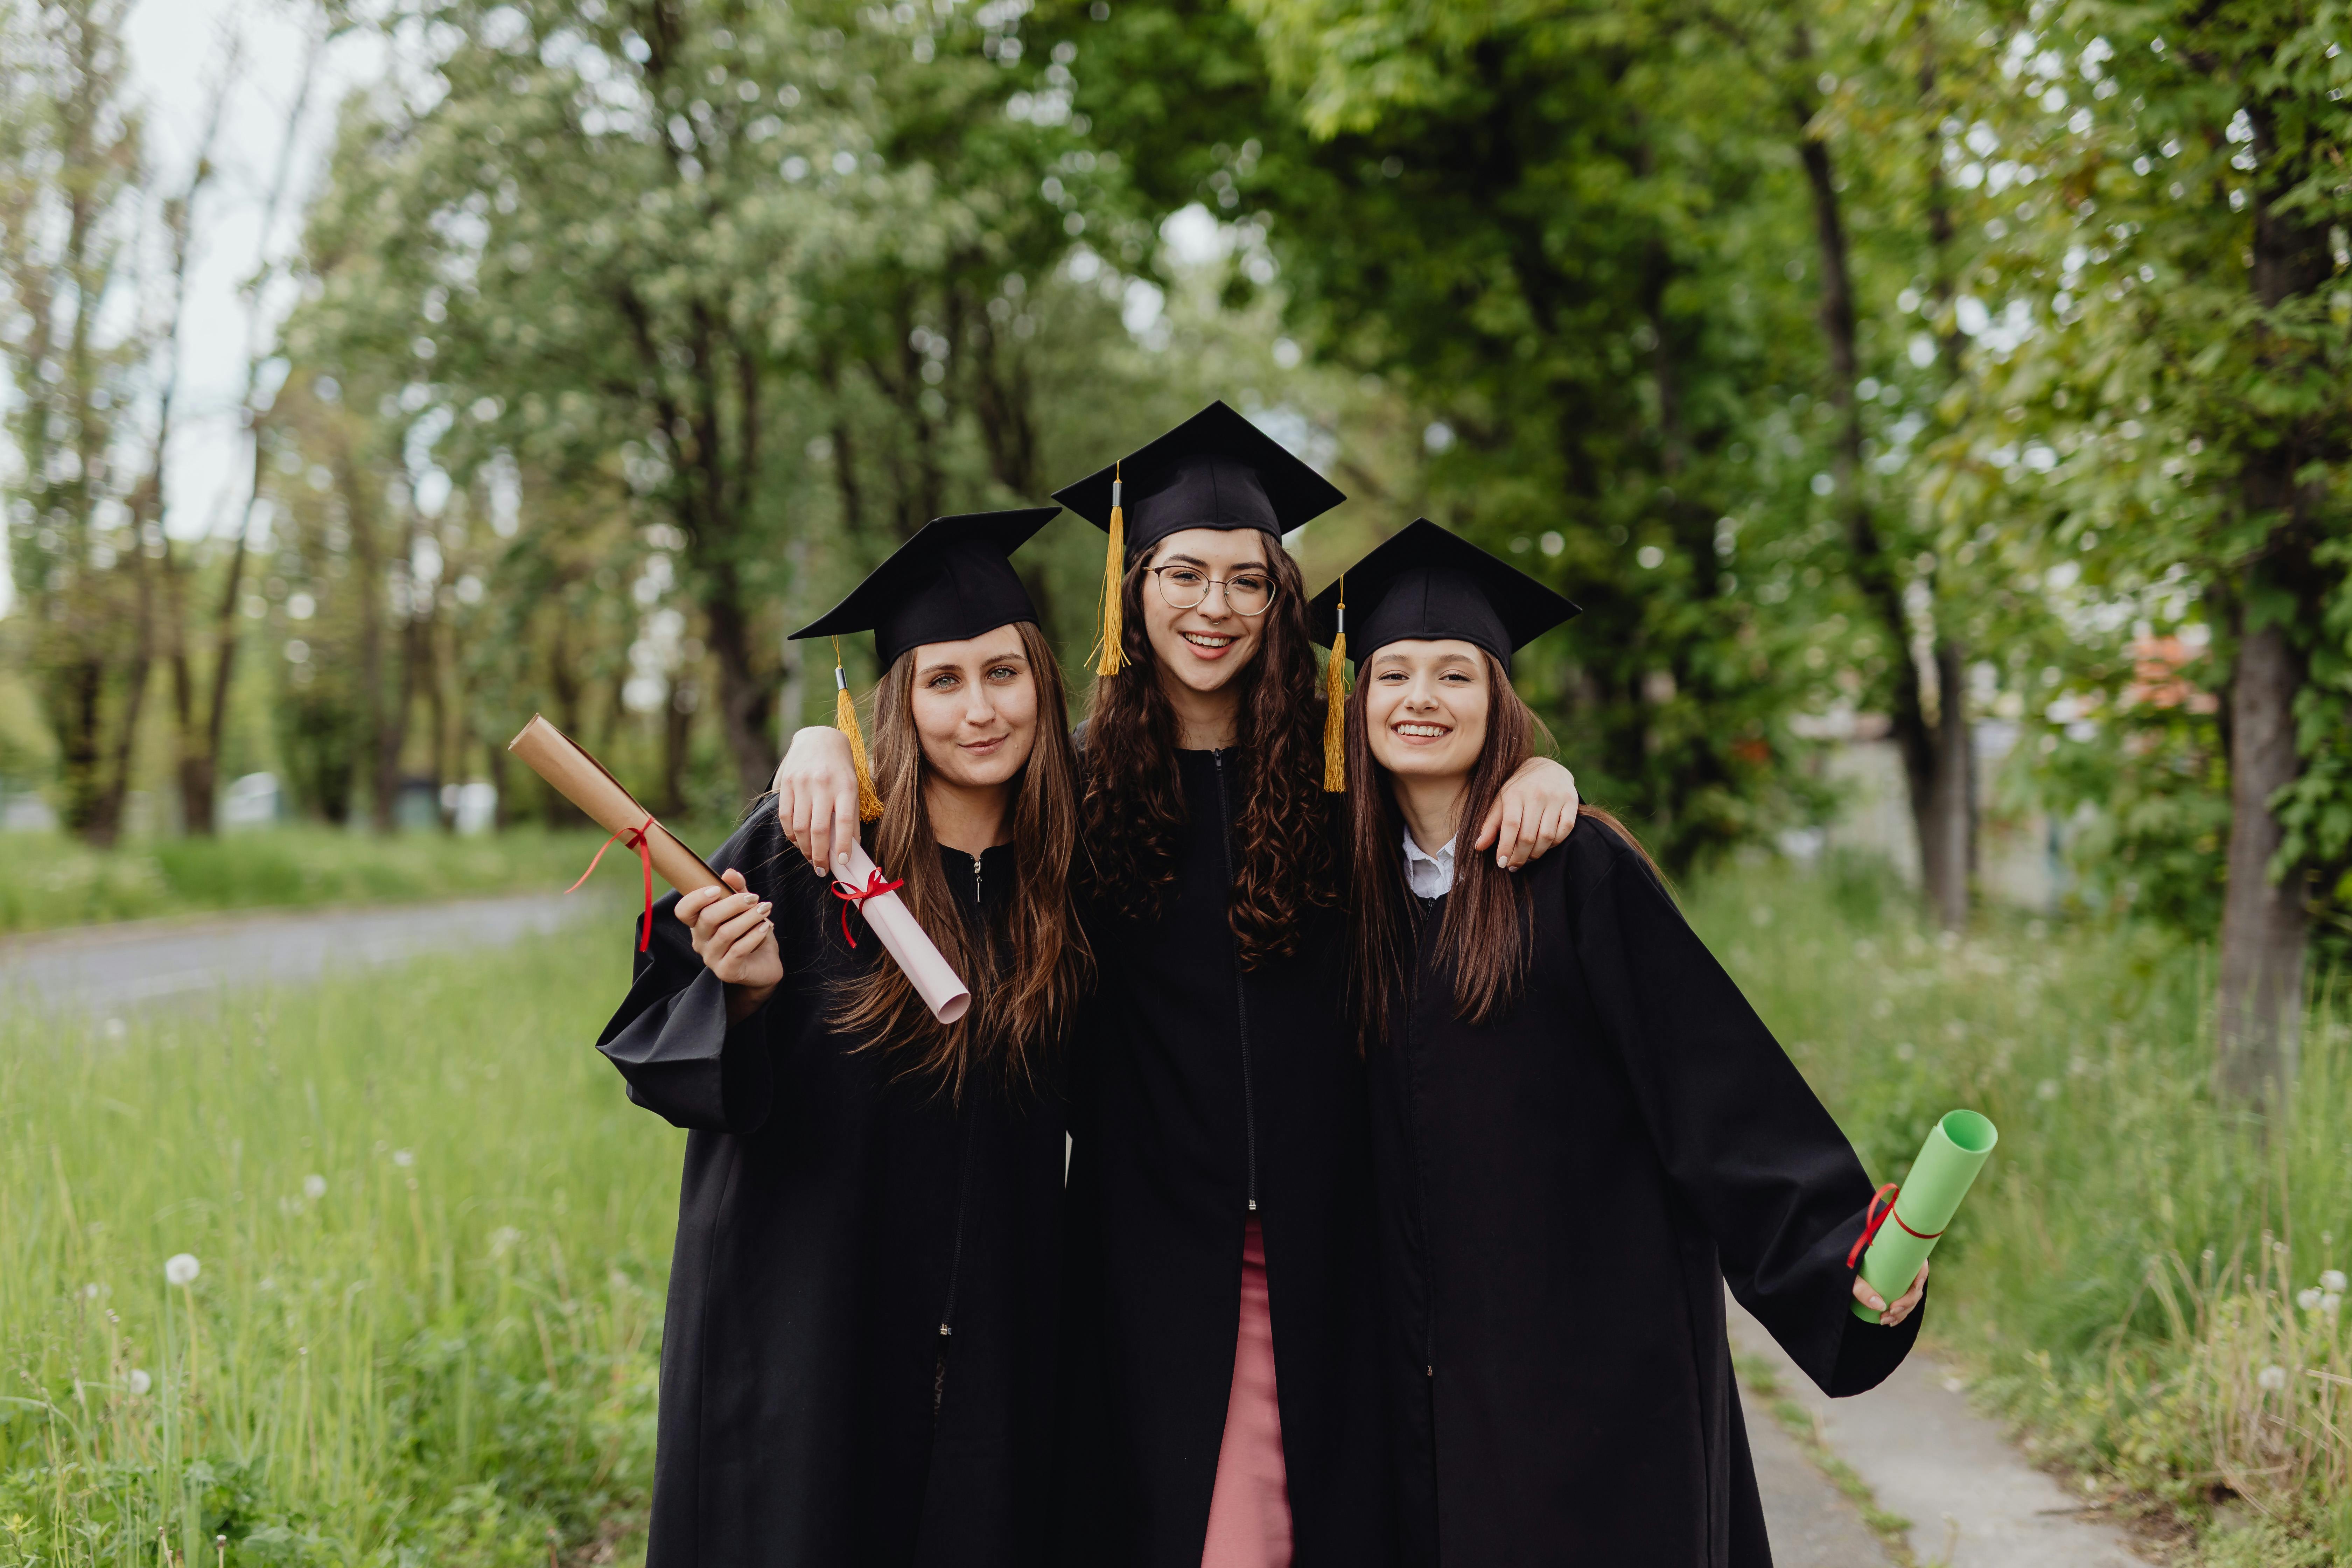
x=1424 y=582
x=951 y=582
x=1215 y=470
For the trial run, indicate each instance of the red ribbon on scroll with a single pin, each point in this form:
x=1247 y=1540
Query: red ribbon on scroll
x=1875 y=1217
x=634 y=840
x=851 y=893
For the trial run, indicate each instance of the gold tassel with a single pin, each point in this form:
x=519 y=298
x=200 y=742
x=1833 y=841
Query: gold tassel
x=1111 y=655
x=844 y=718
x=1335 y=710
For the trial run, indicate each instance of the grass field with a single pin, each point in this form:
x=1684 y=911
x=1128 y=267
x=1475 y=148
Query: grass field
x=49 y=879
x=432 y=1239
x=431 y=1242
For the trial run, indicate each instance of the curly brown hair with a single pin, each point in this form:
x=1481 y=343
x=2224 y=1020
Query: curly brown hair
x=1284 y=855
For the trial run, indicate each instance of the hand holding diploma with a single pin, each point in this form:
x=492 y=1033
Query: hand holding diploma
x=736 y=940
x=1905 y=1222
x=731 y=938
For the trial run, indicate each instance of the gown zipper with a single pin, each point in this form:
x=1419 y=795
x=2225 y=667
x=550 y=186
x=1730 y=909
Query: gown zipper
x=1413 y=1132
x=1241 y=999
x=955 y=1277
x=955 y=1256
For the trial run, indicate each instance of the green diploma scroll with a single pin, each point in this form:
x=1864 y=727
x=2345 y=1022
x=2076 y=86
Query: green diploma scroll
x=1955 y=1152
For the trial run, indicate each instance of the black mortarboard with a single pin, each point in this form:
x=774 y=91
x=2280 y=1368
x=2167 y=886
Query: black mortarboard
x=951 y=582
x=1427 y=583
x=1215 y=470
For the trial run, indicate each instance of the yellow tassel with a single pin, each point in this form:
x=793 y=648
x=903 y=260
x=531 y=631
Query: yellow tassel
x=1111 y=655
x=1335 y=711
x=844 y=718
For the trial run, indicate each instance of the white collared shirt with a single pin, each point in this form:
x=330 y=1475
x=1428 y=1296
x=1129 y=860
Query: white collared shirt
x=1429 y=876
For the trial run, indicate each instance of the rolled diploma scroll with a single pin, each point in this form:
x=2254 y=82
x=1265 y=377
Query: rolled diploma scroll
x=1949 y=1162
x=943 y=990
x=581 y=780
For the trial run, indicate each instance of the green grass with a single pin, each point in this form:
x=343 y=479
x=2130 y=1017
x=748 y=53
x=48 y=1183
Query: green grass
x=445 y=1347
x=48 y=880
x=434 y=1242
x=2127 y=1272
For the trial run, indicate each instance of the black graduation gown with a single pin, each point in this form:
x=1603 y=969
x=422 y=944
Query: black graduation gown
x=1200 y=1087
x=1563 y=1194
x=835 y=1220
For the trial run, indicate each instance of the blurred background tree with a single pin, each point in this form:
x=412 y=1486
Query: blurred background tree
x=1964 y=374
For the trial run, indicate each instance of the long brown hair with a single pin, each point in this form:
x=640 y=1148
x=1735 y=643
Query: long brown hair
x=1285 y=860
x=1486 y=935
x=1027 y=974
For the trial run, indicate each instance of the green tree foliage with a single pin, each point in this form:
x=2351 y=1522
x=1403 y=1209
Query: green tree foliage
x=1585 y=285
x=70 y=227
x=2183 y=389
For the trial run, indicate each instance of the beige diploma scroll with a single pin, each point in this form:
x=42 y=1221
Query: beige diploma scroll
x=581 y=780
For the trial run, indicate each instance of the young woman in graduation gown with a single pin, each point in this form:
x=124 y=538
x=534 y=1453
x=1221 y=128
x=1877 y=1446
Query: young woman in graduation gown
x=1225 y=1408
x=1580 y=1128
x=858 y=1360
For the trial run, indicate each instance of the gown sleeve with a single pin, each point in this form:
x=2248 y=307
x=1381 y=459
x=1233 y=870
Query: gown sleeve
x=1745 y=1141
x=671 y=1040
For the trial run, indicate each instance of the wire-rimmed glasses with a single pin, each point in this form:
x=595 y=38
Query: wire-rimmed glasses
x=1187 y=588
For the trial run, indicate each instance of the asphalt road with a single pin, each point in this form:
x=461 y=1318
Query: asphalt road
x=1973 y=1502
x=105 y=970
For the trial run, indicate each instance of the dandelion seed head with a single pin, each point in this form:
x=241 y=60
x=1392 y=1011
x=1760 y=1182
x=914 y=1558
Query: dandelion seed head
x=2309 y=1300
x=403 y=1157
x=314 y=1186
x=2046 y=1090
x=182 y=1268
x=2273 y=1378
x=2332 y=1280
x=139 y=1380
x=1905 y=1050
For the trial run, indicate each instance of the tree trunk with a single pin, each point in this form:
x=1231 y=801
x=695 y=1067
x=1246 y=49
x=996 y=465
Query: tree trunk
x=743 y=696
x=1945 y=816
x=367 y=555
x=2263 y=924
x=200 y=768
x=1924 y=767
x=2259 y=999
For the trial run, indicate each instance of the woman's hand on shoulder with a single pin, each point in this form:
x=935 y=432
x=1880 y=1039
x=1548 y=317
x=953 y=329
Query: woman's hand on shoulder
x=735 y=937
x=1532 y=817
x=817 y=799
x=1890 y=1316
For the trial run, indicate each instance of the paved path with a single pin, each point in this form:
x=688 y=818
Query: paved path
x=1810 y=1523
x=105 y=968
x=1972 y=1501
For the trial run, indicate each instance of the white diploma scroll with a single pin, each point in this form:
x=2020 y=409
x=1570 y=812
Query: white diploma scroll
x=887 y=915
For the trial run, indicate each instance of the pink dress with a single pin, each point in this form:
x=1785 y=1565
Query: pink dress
x=1249 y=1512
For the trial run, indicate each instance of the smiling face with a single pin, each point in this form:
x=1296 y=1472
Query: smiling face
x=1426 y=707
x=1206 y=646
x=975 y=707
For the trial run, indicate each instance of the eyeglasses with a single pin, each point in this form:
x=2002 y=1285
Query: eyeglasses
x=1187 y=588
